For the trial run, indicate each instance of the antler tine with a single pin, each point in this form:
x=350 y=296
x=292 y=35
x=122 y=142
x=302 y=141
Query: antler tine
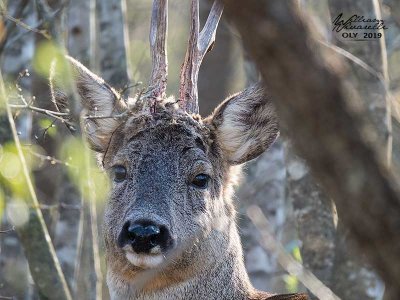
x=199 y=44
x=207 y=35
x=188 y=88
x=158 y=37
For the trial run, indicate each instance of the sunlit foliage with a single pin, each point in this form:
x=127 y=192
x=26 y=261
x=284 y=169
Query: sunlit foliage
x=83 y=170
x=2 y=203
x=46 y=53
x=291 y=281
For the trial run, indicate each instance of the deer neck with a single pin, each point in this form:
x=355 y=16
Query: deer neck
x=219 y=274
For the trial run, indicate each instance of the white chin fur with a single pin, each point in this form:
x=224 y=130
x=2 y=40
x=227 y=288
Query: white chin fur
x=145 y=261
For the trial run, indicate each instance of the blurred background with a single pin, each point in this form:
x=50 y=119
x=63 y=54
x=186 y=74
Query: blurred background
x=110 y=37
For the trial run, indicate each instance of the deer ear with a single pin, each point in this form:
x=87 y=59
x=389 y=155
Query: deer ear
x=245 y=125
x=98 y=99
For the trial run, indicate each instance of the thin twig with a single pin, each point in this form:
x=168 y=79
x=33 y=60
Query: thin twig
x=36 y=216
x=7 y=298
x=42 y=32
x=7 y=230
x=118 y=116
x=51 y=159
x=10 y=26
x=94 y=230
x=46 y=130
x=79 y=249
x=129 y=86
x=60 y=205
x=50 y=113
x=383 y=79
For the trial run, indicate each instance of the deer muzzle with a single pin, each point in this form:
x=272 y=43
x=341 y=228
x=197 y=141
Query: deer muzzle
x=145 y=237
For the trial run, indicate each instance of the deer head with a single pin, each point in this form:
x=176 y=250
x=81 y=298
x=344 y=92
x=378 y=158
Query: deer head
x=170 y=218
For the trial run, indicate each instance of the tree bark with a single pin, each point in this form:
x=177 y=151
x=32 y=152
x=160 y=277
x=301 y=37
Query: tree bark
x=314 y=214
x=328 y=126
x=352 y=276
x=313 y=209
x=370 y=87
x=112 y=43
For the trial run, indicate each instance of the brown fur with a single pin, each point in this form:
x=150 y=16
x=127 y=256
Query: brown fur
x=162 y=148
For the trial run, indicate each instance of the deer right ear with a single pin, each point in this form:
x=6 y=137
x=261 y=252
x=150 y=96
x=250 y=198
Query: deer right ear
x=98 y=100
x=245 y=125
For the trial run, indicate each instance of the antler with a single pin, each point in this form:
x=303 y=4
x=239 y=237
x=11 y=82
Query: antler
x=158 y=36
x=199 y=45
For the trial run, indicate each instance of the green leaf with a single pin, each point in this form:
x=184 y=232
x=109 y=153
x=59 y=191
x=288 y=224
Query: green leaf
x=291 y=283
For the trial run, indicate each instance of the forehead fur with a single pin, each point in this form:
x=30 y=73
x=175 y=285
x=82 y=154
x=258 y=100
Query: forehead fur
x=164 y=118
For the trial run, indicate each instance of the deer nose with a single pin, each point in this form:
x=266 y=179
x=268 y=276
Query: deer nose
x=144 y=237
x=138 y=231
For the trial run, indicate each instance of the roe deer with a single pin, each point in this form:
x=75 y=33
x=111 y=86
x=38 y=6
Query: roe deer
x=170 y=230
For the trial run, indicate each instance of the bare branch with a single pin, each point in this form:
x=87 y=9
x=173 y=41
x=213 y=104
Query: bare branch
x=118 y=116
x=56 y=115
x=10 y=26
x=158 y=37
x=18 y=22
x=292 y=266
x=52 y=160
x=38 y=109
x=198 y=45
x=8 y=230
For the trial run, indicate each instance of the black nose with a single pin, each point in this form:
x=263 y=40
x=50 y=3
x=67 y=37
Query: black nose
x=143 y=236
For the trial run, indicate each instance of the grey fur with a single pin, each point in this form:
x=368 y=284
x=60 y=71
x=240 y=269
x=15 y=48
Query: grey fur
x=163 y=148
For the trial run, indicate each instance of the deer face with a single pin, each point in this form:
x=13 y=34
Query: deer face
x=165 y=175
x=171 y=171
x=163 y=178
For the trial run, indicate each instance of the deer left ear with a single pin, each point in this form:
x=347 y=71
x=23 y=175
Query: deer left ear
x=245 y=125
x=99 y=101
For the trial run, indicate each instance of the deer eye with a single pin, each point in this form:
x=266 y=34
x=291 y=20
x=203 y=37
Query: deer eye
x=119 y=173
x=201 y=181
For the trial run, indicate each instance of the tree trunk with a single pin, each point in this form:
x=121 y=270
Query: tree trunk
x=112 y=42
x=314 y=210
x=328 y=126
x=82 y=45
x=314 y=214
x=352 y=276
x=370 y=87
